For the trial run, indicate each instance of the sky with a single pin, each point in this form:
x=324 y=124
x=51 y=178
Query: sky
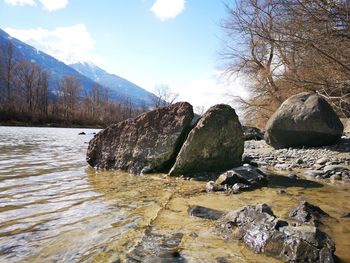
x=149 y=42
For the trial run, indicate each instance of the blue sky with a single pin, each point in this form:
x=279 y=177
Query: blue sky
x=149 y=42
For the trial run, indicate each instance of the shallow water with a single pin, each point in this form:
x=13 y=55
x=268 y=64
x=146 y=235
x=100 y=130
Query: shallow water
x=54 y=208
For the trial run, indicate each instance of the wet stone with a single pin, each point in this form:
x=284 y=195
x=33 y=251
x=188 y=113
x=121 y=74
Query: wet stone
x=244 y=178
x=345 y=215
x=156 y=247
x=322 y=160
x=204 y=212
x=308 y=214
x=264 y=233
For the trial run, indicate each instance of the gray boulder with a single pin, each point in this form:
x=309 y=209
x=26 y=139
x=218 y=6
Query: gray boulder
x=148 y=143
x=259 y=228
x=215 y=144
x=305 y=119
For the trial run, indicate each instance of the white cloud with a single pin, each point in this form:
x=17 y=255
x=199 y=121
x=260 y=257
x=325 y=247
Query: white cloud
x=52 y=5
x=209 y=91
x=166 y=9
x=49 y=5
x=69 y=44
x=20 y=2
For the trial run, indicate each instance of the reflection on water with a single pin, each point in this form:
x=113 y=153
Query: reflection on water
x=53 y=207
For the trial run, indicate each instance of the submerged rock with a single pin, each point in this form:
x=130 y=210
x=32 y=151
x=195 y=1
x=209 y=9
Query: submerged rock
x=308 y=213
x=305 y=119
x=215 y=144
x=259 y=228
x=239 y=179
x=263 y=232
x=148 y=143
x=204 y=212
x=156 y=247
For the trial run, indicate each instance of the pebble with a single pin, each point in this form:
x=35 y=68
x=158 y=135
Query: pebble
x=292 y=176
x=300 y=161
x=335 y=177
x=333 y=168
x=345 y=214
x=322 y=161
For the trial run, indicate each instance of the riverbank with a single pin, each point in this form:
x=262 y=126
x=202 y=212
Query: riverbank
x=49 y=125
x=326 y=162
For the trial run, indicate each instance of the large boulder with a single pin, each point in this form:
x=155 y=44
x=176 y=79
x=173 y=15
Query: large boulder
x=148 y=143
x=305 y=119
x=215 y=144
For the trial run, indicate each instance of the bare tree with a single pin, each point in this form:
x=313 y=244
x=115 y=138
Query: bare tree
x=164 y=96
x=8 y=58
x=287 y=46
x=69 y=90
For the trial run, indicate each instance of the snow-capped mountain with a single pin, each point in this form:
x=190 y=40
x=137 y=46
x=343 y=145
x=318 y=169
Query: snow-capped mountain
x=58 y=69
x=120 y=90
x=124 y=88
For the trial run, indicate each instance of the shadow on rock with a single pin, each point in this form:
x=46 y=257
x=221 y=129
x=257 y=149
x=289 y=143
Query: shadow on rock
x=280 y=181
x=342 y=146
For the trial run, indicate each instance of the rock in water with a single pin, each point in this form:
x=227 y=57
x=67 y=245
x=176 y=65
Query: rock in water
x=214 y=145
x=259 y=228
x=308 y=214
x=305 y=119
x=204 y=212
x=147 y=143
x=244 y=178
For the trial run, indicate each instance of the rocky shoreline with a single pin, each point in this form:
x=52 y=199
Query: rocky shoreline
x=326 y=162
x=303 y=140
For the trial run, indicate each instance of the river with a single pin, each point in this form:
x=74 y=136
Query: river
x=55 y=208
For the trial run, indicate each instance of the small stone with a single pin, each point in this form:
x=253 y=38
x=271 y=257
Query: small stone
x=281 y=192
x=212 y=187
x=292 y=176
x=281 y=166
x=281 y=160
x=204 y=212
x=300 y=161
x=318 y=166
x=322 y=161
x=335 y=177
x=333 y=168
x=345 y=215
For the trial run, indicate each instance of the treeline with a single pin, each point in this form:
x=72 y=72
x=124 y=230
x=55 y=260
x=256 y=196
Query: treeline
x=28 y=96
x=283 y=47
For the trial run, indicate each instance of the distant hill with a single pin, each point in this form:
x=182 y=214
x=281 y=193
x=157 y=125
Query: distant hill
x=57 y=68
x=124 y=88
x=120 y=89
